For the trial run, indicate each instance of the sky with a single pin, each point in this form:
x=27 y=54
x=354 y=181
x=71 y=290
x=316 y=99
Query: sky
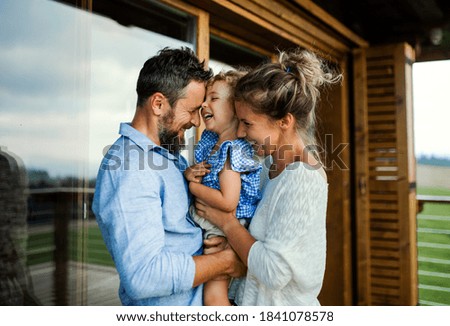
x=66 y=83
x=431 y=96
x=69 y=81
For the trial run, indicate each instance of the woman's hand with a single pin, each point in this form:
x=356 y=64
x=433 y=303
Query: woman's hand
x=196 y=172
x=214 y=215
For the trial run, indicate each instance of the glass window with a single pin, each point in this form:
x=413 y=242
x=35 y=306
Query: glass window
x=68 y=79
x=227 y=54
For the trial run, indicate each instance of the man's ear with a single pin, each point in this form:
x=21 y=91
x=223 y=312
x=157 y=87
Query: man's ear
x=287 y=121
x=156 y=103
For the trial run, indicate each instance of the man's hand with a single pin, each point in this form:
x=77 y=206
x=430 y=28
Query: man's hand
x=196 y=172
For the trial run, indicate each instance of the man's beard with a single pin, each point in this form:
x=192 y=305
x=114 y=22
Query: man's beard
x=169 y=139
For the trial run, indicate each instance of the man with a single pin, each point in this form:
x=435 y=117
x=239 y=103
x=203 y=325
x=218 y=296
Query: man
x=141 y=199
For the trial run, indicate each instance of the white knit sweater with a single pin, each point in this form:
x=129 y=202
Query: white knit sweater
x=286 y=264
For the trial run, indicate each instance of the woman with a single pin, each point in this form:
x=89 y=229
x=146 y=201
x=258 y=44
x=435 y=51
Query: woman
x=285 y=246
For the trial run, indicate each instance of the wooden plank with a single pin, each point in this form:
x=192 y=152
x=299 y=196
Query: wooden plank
x=239 y=41
x=301 y=39
x=328 y=19
x=381 y=81
x=374 y=234
x=239 y=29
x=339 y=243
x=388 y=206
x=385 y=100
x=387 y=197
x=387 y=61
x=381 y=117
x=382 y=145
x=361 y=172
x=290 y=21
x=385 y=254
x=383 y=216
x=384 y=281
x=382 y=72
x=380 y=92
x=382 y=185
x=382 y=108
x=393 y=273
x=374 y=136
x=387 y=127
x=382 y=154
x=407 y=210
x=377 y=224
x=386 y=163
x=384 y=244
x=385 y=262
x=385 y=290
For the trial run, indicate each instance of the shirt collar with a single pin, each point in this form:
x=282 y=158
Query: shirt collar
x=145 y=143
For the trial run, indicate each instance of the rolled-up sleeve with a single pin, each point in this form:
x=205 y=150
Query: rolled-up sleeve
x=132 y=226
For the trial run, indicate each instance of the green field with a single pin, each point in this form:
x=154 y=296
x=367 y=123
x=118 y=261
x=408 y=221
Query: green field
x=433 y=239
x=41 y=247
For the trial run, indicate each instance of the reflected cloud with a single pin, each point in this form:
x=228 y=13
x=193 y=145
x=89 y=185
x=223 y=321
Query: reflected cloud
x=68 y=79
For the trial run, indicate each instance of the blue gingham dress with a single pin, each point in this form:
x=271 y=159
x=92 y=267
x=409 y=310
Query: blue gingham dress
x=242 y=160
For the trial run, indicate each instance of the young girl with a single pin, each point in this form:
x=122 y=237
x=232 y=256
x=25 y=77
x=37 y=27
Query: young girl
x=285 y=245
x=232 y=181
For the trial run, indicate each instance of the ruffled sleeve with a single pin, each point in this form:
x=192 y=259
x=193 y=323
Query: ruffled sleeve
x=241 y=156
x=204 y=146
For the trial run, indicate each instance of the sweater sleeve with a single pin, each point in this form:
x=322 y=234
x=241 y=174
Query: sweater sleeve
x=292 y=225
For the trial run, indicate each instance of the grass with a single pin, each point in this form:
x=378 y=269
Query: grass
x=434 y=250
x=41 y=247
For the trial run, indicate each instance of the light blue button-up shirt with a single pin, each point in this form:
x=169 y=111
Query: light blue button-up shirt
x=141 y=204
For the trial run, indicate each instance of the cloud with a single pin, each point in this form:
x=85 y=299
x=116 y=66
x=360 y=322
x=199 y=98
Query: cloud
x=67 y=80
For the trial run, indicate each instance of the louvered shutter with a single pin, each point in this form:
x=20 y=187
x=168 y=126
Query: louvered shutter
x=390 y=258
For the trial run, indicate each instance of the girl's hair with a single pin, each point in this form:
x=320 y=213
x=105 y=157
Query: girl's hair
x=289 y=85
x=231 y=77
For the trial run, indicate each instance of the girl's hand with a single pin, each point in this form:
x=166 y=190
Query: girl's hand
x=196 y=172
x=214 y=244
x=214 y=215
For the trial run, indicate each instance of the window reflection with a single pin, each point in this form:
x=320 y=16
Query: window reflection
x=68 y=79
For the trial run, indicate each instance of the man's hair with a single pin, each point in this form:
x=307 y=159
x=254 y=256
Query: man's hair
x=169 y=72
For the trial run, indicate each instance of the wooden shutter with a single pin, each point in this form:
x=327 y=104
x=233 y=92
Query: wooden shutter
x=387 y=234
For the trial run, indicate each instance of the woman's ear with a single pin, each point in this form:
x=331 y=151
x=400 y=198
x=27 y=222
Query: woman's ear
x=156 y=103
x=287 y=121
